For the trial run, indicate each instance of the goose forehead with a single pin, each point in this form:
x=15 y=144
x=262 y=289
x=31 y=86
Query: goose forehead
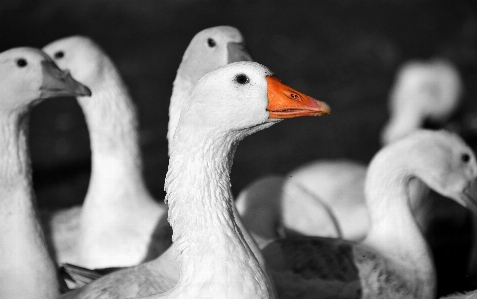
x=75 y=45
x=226 y=33
x=24 y=52
x=221 y=35
x=242 y=67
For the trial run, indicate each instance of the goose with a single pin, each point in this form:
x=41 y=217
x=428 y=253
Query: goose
x=27 y=270
x=336 y=207
x=423 y=90
x=120 y=224
x=393 y=261
x=215 y=259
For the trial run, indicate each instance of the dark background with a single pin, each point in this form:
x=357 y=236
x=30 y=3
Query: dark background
x=344 y=52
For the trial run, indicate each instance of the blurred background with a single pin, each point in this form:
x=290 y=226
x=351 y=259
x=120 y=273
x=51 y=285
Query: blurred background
x=343 y=52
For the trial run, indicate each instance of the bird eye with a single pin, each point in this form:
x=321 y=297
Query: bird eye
x=242 y=79
x=21 y=62
x=465 y=158
x=59 y=54
x=211 y=42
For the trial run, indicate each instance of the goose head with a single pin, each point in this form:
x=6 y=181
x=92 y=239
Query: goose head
x=423 y=90
x=244 y=97
x=82 y=57
x=446 y=164
x=28 y=75
x=212 y=48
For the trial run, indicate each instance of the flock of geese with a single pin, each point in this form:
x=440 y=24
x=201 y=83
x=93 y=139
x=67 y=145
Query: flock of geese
x=329 y=229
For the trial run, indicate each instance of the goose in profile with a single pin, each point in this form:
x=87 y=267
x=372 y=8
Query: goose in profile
x=120 y=224
x=393 y=261
x=27 y=270
x=215 y=260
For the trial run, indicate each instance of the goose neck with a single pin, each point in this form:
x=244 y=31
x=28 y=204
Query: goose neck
x=394 y=231
x=112 y=123
x=181 y=88
x=26 y=268
x=209 y=242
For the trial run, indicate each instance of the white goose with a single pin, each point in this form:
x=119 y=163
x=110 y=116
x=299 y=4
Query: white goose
x=215 y=260
x=120 y=224
x=393 y=261
x=26 y=269
x=423 y=90
x=332 y=192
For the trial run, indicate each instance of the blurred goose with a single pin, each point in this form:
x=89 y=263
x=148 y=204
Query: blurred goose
x=393 y=261
x=215 y=259
x=26 y=269
x=331 y=193
x=120 y=224
x=424 y=90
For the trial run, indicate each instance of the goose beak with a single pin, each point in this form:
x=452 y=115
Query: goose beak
x=58 y=83
x=286 y=102
x=237 y=52
x=469 y=196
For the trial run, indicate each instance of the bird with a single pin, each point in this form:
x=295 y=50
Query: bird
x=423 y=90
x=120 y=224
x=393 y=261
x=215 y=260
x=331 y=192
x=28 y=76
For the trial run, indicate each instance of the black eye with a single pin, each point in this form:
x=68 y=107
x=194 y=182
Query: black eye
x=21 y=62
x=242 y=79
x=465 y=158
x=59 y=54
x=211 y=42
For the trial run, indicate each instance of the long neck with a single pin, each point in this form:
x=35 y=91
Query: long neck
x=214 y=253
x=404 y=120
x=112 y=123
x=26 y=268
x=182 y=86
x=394 y=231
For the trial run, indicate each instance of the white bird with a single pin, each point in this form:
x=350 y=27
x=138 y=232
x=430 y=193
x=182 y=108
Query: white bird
x=331 y=192
x=423 y=90
x=393 y=261
x=27 y=270
x=215 y=260
x=120 y=223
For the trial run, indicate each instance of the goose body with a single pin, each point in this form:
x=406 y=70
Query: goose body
x=393 y=261
x=27 y=270
x=215 y=259
x=120 y=223
x=333 y=190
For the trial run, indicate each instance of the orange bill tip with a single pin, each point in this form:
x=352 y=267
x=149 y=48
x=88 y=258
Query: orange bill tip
x=286 y=102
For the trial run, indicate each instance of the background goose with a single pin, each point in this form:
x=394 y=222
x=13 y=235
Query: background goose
x=26 y=268
x=215 y=260
x=120 y=224
x=393 y=261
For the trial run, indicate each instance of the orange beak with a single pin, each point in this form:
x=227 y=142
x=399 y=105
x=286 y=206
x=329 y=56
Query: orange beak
x=286 y=102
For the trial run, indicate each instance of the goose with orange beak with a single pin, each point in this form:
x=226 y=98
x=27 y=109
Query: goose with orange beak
x=211 y=256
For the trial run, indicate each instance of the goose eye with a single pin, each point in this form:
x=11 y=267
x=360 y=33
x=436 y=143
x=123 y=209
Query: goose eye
x=21 y=62
x=59 y=54
x=465 y=158
x=211 y=42
x=242 y=79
